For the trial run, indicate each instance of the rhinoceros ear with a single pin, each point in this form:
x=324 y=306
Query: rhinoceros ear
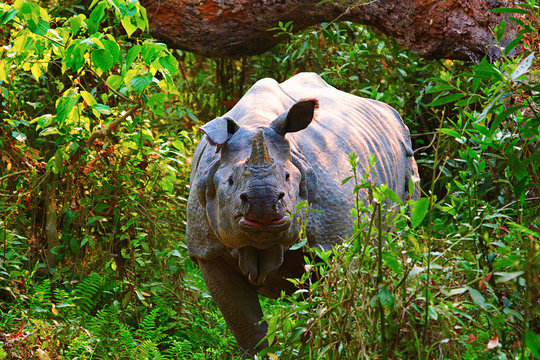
x=297 y=118
x=220 y=130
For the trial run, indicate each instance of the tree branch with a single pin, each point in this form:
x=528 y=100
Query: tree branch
x=104 y=132
x=453 y=29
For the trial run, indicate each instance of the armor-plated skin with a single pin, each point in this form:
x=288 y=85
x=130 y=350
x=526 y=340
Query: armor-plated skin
x=280 y=145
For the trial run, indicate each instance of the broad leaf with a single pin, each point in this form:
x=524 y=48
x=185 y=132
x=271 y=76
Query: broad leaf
x=103 y=59
x=140 y=82
x=523 y=66
x=419 y=211
x=114 y=81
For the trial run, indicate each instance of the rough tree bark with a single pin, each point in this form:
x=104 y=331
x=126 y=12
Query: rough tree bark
x=454 y=29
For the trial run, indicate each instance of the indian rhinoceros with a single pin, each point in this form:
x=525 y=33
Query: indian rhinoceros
x=281 y=144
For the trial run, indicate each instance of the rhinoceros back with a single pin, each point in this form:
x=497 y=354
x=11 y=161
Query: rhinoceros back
x=344 y=124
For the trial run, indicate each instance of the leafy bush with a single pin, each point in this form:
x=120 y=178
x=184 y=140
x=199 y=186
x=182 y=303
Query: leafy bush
x=96 y=135
x=460 y=286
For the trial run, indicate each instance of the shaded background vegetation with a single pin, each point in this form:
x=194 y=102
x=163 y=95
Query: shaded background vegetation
x=98 y=124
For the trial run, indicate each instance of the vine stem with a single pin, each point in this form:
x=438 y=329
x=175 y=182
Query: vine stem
x=430 y=231
x=380 y=281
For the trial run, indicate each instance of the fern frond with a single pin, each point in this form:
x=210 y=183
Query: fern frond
x=87 y=293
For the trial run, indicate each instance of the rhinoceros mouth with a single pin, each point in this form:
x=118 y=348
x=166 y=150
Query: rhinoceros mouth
x=276 y=224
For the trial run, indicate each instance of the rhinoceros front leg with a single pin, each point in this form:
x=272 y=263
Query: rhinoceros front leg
x=238 y=302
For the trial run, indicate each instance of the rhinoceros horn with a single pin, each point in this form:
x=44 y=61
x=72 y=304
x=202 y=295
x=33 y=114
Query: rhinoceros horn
x=259 y=151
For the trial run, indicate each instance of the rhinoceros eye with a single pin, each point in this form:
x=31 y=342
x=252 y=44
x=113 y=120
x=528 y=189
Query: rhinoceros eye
x=230 y=181
x=287 y=176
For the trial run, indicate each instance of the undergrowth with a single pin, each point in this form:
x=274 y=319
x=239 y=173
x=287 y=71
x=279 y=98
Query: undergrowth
x=95 y=153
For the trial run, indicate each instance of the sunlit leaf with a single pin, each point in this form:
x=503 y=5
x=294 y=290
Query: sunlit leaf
x=102 y=109
x=114 y=81
x=18 y=135
x=504 y=276
x=88 y=98
x=49 y=131
x=523 y=67
x=5 y=16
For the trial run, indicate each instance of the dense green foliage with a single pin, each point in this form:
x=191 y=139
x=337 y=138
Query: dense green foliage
x=97 y=126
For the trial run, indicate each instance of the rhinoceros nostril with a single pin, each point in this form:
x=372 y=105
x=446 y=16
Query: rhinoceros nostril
x=244 y=197
x=281 y=196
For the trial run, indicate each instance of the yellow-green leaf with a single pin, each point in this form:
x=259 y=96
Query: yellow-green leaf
x=36 y=71
x=88 y=98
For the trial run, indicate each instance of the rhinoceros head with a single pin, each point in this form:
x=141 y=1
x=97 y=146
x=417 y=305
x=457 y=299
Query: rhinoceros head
x=252 y=186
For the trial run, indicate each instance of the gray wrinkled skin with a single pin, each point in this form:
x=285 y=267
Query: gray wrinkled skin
x=280 y=145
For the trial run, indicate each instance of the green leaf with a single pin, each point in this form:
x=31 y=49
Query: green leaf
x=96 y=17
x=114 y=81
x=150 y=51
x=439 y=88
x=75 y=55
x=391 y=195
x=385 y=297
x=169 y=63
x=523 y=66
x=44 y=121
x=64 y=106
x=512 y=44
x=179 y=145
x=525 y=230
x=113 y=48
x=446 y=99
x=454 y=292
x=74 y=246
x=156 y=103
x=532 y=341
x=75 y=23
x=31 y=13
x=132 y=54
x=102 y=109
x=140 y=82
x=419 y=211
x=5 y=16
x=391 y=261
x=451 y=132
x=510 y=11
x=88 y=98
x=103 y=59
x=503 y=116
x=477 y=298
x=299 y=244
x=499 y=31
x=59 y=161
